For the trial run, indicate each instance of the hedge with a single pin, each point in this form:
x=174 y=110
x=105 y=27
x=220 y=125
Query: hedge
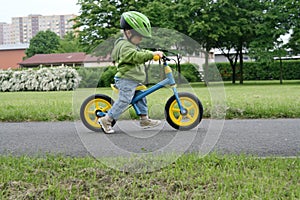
x=42 y=79
x=90 y=76
x=104 y=76
x=261 y=71
x=67 y=78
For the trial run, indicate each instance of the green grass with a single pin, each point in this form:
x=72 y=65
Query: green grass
x=190 y=177
x=36 y=106
x=264 y=99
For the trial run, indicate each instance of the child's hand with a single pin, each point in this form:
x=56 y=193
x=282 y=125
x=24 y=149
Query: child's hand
x=157 y=55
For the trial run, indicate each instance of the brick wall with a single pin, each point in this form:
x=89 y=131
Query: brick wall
x=11 y=58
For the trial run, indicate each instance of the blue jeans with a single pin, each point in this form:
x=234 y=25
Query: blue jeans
x=126 y=92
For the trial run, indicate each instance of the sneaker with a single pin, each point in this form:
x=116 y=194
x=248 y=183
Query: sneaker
x=106 y=125
x=149 y=123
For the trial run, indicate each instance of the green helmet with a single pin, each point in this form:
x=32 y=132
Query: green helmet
x=136 y=21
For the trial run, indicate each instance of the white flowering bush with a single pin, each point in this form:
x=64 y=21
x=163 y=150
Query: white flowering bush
x=43 y=79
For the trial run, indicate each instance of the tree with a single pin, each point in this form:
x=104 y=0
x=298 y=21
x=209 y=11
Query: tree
x=70 y=43
x=44 y=42
x=199 y=23
x=230 y=25
x=271 y=27
x=100 y=19
x=240 y=20
x=279 y=18
x=294 y=42
x=292 y=8
x=96 y=22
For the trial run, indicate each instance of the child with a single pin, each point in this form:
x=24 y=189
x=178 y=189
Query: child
x=130 y=69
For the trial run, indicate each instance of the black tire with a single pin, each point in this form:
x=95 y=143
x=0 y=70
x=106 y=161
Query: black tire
x=194 y=111
x=91 y=106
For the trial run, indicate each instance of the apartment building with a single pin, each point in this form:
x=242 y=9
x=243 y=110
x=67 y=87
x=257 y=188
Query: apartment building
x=22 y=29
x=5 y=33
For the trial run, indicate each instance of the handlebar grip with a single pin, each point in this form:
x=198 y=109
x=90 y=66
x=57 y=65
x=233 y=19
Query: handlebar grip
x=156 y=57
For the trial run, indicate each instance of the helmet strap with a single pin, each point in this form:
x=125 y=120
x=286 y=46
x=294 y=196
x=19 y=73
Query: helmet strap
x=128 y=38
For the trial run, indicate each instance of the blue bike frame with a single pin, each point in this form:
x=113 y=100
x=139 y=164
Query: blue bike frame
x=169 y=80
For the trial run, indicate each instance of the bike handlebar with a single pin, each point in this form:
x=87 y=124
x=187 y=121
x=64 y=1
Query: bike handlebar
x=156 y=57
x=164 y=58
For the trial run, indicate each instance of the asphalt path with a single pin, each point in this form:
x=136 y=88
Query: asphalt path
x=266 y=137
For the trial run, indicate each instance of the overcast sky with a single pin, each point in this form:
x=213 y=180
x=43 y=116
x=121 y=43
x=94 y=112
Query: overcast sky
x=23 y=8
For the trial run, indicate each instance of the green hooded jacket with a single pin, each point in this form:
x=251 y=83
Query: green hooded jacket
x=130 y=60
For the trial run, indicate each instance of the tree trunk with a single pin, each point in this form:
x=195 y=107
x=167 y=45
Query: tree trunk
x=233 y=72
x=280 y=71
x=147 y=75
x=206 y=71
x=241 y=67
x=179 y=69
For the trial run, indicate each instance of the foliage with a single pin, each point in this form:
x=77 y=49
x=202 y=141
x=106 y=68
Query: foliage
x=69 y=44
x=189 y=71
x=294 y=42
x=107 y=77
x=44 y=42
x=279 y=18
x=94 y=77
x=90 y=76
x=104 y=76
x=43 y=79
x=241 y=19
x=259 y=71
x=290 y=9
x=98 y=21
x=254 y=26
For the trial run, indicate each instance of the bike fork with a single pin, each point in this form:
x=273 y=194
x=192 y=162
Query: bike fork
x=183 y=111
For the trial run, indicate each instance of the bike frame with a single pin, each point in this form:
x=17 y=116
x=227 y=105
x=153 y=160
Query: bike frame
x=169 y=80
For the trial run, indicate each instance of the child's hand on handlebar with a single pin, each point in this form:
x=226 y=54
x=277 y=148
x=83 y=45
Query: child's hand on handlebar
x=157 y=55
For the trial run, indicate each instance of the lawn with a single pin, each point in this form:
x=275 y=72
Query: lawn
x=190 y=177
x=251 y=100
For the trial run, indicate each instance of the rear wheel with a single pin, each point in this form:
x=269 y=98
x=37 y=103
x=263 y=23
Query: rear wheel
x=93 y=108
x=191 y=118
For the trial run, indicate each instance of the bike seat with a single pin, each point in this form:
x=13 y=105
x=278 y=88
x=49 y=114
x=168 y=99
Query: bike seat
x=139 y=87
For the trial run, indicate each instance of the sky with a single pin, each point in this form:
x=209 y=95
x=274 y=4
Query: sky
x=23 y=8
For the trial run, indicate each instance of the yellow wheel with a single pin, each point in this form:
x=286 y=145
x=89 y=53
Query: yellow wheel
x=188 y=120
x=93 y=108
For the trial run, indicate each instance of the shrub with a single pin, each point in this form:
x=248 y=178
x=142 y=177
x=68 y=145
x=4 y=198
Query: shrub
x=103 y=76
x=93 y=77
x=189 y=72
x=262 y=71
x=107 y=77
x=43 y=79
x=90 y=76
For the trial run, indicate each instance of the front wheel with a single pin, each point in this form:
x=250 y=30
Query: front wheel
x=94 y=107
x=186 y=121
